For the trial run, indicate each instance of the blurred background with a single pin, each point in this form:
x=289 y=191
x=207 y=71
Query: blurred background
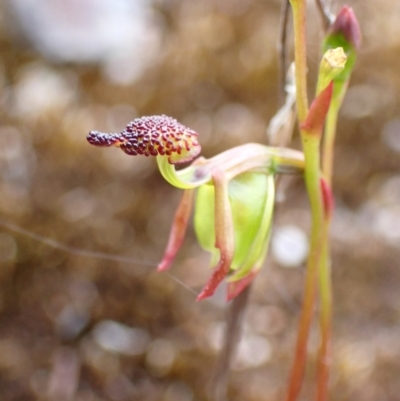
x=74 y=327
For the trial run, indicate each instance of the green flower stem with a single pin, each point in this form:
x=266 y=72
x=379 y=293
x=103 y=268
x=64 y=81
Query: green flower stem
x=251 y=157
x=312 y=177
x=311 y=144
x=182 y=179
x=325 y=279
x=344 y=33
x=330 y=131
x=325 y=318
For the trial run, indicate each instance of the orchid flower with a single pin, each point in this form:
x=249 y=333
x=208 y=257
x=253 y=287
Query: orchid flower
x=235 y=194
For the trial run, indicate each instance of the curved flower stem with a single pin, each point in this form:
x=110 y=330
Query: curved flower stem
x=245 y=158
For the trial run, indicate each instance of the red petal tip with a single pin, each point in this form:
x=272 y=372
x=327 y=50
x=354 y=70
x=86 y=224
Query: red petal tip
x=162 y=266
x=212 y=284
x=236 y=287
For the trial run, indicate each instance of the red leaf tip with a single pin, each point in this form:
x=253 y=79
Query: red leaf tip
x=315 y=119
x=236 y=287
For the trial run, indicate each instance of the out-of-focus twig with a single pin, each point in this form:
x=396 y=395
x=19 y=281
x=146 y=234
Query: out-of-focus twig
x=327 y=17
x=232 y=334
x=282 y=47
x=280 y=128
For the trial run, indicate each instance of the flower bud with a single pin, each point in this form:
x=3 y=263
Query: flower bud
x=346 y=24
x=344 y=32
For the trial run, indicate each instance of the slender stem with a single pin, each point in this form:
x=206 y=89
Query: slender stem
x=311 y=144
x=325 y=319
x=311 y=150
x=325 y=279
x=329 y=140
x=300 y=57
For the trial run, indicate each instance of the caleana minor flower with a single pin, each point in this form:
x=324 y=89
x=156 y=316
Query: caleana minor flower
x=233 y=193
